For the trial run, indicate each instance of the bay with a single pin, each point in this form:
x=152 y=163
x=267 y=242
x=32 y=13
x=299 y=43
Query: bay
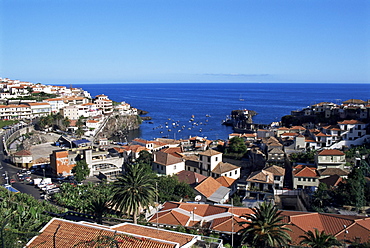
x=209 y=103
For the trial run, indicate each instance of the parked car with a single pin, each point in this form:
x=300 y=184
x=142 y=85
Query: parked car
x=12 y=180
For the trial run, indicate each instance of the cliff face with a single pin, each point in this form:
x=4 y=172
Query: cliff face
x=118 y=125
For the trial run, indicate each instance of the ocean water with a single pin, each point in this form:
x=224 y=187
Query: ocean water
x=198 y=109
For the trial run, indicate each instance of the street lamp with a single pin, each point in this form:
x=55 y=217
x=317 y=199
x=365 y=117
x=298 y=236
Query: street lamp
x=194 y=213
x=7 y=177
x=345 y=235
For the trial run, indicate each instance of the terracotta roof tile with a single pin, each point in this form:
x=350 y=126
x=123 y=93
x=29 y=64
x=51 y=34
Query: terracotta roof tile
x=332 y=181
x=226 y=224
x=170 y=217
x=203 y=209
x=190 y=177
x=331 y=152
x=305 y=172
x=23 y=153
x=208 y=186
x=166 y=158
x=225 y=181
x=350 y=122
x=65 y=233
x=224 y=167
x=209 y=152
x=261 y=177
x=152 y=232
x=275 y=170
x=333 y=171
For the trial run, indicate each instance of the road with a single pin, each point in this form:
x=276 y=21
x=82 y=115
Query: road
x=12 y=174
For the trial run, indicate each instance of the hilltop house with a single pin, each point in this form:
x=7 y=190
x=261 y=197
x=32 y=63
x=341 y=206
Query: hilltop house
x=305 y=177
x=167 y=163
x=209 y=163
x=330 y=158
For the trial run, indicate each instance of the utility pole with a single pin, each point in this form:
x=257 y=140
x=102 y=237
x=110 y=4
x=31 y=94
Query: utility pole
x=232 y=223
x=156 y=191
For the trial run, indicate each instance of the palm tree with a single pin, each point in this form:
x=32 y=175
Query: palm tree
x=80 y=122
x=265 y=228
x=66 y=122
x=133 y=190
x=80 y=132
x=319 y=240
x=98 y=206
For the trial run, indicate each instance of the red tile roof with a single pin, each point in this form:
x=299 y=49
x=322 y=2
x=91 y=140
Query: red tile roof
x=210 y=152
x=350 y=122
x=166 y=158
x=224 y=167
x=305 y=171
x=190 y=177
x=23 y=153
x=152 y=232
x=275 y=170
x=331 y=152
x=62 y=233
x=208 y=186
x=228 y=224
x=226 y=181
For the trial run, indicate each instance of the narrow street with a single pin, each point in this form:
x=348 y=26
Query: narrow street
x=11 y=171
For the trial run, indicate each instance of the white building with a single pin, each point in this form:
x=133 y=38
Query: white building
x=39 y=109
x=166 y=163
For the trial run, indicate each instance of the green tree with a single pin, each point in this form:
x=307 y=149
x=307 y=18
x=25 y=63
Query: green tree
x=236 y=201
x=81 y=170
x=352 y=192
x=21 y=217
x=321 y=197
x=265 y=227
x=318 y=240
x=303 y=157
x=99 y=206
x=237 y=145
x=80 y=122
x=135 y=189
x=170 y=189
x=80 y=132
x=66 y=122
x=145 y=157
x=145 y=160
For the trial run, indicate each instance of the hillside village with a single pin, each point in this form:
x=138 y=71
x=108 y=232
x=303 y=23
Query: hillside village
x=267 y=171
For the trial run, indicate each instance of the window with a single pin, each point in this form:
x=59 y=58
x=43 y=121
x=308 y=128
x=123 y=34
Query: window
x=299 y=179
x=174 y=167
x=304 y=179
x=216 y=159
x=313 y=179
x=230 y=173
x=209 y=159
x=236 y=172
x=276 y=178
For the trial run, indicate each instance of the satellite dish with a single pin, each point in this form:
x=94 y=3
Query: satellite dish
x=198 y=198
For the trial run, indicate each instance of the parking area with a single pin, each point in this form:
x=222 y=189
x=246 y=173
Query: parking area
x=43 y=150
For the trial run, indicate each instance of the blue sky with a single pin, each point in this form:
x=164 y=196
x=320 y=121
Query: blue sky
x=77 y=41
